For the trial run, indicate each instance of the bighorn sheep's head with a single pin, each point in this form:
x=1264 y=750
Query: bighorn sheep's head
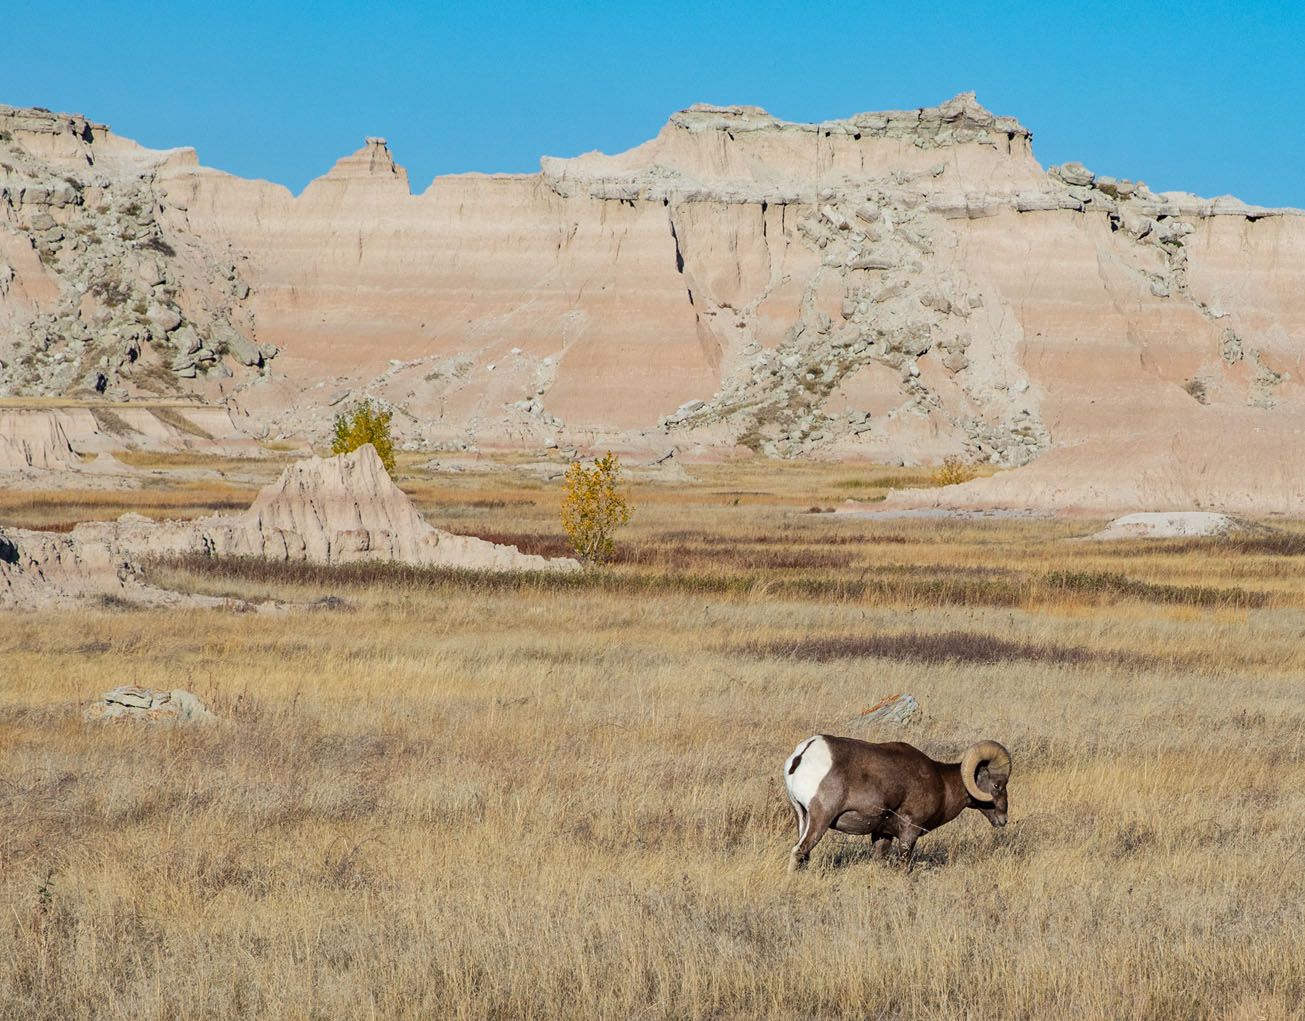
x=985 y=770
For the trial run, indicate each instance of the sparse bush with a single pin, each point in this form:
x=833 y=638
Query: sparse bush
x=952 y=472
x=157 y=244
x=366 y=423
x=593 y=507
x=113 y=293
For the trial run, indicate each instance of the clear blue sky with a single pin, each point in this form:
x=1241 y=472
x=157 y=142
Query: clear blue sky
x=1201 y=96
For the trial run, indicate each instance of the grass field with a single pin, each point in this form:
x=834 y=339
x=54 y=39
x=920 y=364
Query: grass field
x=471 y=796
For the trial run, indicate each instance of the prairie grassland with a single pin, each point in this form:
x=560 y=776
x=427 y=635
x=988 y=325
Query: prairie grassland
x=57 y=510
x=467 y=796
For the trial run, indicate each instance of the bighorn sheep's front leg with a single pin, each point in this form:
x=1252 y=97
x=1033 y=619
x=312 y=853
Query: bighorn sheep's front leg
x=881 y=846
x=906 y=847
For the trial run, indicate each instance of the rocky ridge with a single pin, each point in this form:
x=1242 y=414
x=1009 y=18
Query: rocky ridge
x=893 y=286
x=128 y=305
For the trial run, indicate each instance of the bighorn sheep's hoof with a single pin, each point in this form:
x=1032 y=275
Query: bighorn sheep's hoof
x=796 y=864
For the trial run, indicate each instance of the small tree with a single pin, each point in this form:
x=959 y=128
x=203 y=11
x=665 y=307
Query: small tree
x=365 y=424
x=953 y=471
x=593 y=508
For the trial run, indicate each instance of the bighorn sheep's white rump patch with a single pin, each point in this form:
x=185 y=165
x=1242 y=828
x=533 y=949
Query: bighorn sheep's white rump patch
x=806 y=768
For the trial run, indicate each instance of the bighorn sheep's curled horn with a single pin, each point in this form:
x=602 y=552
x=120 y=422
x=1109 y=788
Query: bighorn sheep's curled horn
x=997 y=758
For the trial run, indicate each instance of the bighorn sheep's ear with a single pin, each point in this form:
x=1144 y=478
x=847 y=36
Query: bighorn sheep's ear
x=990 y=757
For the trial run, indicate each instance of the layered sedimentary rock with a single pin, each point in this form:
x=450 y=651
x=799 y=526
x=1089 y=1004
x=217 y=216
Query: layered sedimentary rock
x=34 y=441
x=40 y=570
x=899 y=285
x=337 y=510
x=50 y=444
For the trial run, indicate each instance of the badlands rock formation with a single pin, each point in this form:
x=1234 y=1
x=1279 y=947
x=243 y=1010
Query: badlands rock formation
x=34 y=441
x=1174 y=525
x=40 y=570
x=893 y=286
x=336 y=510
x=80 y=437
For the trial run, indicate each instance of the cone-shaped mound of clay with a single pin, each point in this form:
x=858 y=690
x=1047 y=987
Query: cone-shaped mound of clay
x=344 y=509
x=333 y=510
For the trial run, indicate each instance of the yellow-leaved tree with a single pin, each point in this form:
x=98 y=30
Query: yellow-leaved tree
x=365 y=423
x=953 y=471
x=593 y=507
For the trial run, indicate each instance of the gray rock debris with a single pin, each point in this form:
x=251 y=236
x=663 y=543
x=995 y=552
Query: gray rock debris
x=895 y=709
x=243 y=350
x=146 y=705
x=105 y=238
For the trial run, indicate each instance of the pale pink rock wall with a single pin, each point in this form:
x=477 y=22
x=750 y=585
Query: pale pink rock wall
x=896 y=286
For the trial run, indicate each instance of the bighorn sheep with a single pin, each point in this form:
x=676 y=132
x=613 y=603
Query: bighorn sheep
x=888 y=791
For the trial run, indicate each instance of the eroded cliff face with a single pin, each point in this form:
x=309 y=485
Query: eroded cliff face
x=893 y=286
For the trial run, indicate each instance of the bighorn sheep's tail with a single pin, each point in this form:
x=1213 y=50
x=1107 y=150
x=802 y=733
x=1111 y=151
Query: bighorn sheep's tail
x=805 y=768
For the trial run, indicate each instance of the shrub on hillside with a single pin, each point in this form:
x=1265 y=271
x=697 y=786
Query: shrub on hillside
x=953 y=471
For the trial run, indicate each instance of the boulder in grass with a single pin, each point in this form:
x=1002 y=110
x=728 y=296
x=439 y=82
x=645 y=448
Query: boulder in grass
x=897 y=709
x=1174 y=525
x=146 y=705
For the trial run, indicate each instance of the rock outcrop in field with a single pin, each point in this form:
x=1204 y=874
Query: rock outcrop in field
x=337 y=510
x=894 y=286
x=131 y=704
x=43 y=570
x=1174 y=525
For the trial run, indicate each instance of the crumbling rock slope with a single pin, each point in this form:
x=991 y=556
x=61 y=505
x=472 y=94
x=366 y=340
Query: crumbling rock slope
x=42 y=570
x=35 y=441
x=99 y=293
x=346 y=509
x=336 y=510
x=895 y=286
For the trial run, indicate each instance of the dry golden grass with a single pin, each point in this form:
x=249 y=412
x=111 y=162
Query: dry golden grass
x=464 y=797
x=58 y=510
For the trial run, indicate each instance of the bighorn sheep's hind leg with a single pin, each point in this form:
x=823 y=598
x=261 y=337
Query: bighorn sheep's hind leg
x=801 y=814
x=881 y=846
x=817 y=823
x=803 y=821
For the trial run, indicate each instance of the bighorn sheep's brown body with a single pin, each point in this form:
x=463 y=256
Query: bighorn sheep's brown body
x=888 y=791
